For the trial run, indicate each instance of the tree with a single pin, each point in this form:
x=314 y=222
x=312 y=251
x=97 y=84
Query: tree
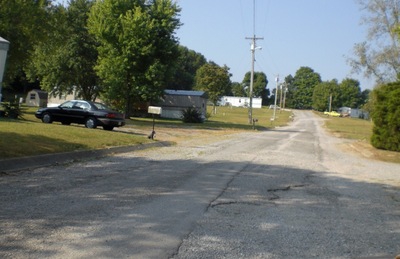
x=237 y=89
x=289 y=89
x=326 y=95
x=379 y=55
x=364 y=101
x=65 y=62
x=260 y=83
x=214 y=80
x=302 y=90
x=137 y=48
x=350 y=93
x=386 y=117
x=23 y=24
x=186 y=66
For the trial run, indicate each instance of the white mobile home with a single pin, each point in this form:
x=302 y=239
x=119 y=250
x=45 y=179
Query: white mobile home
x=240 y=101
x=175 y=102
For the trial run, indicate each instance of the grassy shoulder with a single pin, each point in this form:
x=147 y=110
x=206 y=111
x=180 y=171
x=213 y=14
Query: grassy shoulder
x=29 y=136
x=360 y=131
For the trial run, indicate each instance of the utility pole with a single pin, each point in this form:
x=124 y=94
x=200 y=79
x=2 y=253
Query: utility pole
x=253 y=49
x=276 y=93
x=284 y=96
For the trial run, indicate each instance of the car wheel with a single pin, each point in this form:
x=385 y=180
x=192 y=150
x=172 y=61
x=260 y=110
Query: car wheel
x=47 y=118
x=91 y=123
x=108 y=127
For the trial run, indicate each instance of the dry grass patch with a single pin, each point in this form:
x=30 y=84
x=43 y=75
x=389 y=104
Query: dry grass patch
x=360 y=131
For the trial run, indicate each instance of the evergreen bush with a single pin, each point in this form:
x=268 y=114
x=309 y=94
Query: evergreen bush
x=386 y=117
x=11 y=110
x=192 y=115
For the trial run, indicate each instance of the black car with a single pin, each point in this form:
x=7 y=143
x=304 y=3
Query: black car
x=91 y=114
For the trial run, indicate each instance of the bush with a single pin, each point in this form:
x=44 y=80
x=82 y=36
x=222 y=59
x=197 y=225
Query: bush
x=11 y=110
x=386 y=117
x=192 y=115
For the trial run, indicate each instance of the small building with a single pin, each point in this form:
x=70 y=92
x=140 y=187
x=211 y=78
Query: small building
x=36 y=98
x=175 y=102
x=240 y=101
x=358 y=113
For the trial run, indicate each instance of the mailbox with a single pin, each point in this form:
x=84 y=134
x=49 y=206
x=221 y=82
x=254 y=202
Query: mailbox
x=154 y=110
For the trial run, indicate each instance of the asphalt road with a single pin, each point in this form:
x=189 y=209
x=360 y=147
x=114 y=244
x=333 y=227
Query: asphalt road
x=287 y=193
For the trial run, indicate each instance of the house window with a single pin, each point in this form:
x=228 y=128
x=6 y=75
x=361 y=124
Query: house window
x=32 y=97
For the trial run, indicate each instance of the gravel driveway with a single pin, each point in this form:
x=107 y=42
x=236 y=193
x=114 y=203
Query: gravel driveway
x=285 y=193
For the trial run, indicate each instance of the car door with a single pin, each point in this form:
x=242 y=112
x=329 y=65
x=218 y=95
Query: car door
x=79 y=111
x=62 y=112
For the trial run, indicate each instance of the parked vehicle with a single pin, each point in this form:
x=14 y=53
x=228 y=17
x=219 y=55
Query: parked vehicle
x=91 y=114
x=333 y=114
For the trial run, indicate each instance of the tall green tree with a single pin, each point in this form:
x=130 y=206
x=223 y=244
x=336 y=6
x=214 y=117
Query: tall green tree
x=260 y=84
x=304 y=82
x=214 y=80
x=386 y=117
x=187 y=64
x=289 y=89
x=379 y=56
x=364 y=101
x=350 y=93
x=23 y=24
x=237 y=89
x=138 y=48
x=325 y=96
x=65 y=62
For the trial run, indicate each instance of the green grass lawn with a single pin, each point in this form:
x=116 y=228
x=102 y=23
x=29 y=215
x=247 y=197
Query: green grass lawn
x=351 y=128
x=29 y=136
x=360 y=130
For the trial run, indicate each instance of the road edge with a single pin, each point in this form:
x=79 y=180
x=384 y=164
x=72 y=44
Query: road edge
x=31 y=162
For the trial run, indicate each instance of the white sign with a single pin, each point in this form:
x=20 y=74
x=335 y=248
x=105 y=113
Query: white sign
x=154 y=110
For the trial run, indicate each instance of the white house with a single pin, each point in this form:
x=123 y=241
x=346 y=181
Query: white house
x=240 y=101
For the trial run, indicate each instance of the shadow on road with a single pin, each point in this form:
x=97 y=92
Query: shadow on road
x=106 y=209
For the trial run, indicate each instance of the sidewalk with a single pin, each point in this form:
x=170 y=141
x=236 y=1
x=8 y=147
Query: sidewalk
x=31 y=162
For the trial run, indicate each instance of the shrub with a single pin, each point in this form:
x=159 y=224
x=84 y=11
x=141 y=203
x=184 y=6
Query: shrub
x=11 y=110
x=192 y=115
x=386 y=117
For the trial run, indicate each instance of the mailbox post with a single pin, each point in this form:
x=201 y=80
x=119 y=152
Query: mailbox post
x=154 y=110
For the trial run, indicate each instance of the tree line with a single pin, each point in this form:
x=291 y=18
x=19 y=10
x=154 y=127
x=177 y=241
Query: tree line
x=123 y=51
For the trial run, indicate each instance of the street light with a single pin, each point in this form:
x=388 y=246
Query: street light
x=4 y=45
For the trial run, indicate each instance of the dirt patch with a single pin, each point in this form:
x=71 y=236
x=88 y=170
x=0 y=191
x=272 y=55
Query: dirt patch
x=365 y=149
x=186 y=136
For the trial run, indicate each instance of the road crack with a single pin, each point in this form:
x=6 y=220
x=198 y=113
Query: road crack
x=283 y=189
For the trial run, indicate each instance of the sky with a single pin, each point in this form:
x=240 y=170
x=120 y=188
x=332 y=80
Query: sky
x=319 y=34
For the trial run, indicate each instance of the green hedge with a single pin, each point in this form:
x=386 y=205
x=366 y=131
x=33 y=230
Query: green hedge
x=386 y=117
